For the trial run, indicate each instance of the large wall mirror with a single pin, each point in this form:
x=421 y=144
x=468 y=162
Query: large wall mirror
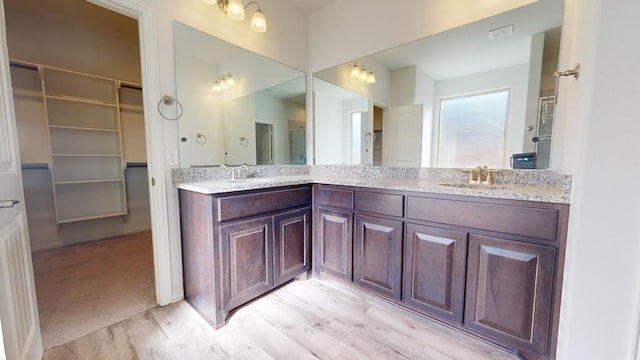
x=472 y=95
x=259 y=118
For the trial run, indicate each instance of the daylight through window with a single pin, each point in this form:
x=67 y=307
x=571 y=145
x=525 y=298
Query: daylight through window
x=473 y=130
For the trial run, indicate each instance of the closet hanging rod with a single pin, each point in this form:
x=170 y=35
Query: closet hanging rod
x=23 y=65
x=131 y=86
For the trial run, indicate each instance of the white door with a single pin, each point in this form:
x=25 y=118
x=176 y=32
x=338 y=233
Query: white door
x=402 y=141
x=18 y=309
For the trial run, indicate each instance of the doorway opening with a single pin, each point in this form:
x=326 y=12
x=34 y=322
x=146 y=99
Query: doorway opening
x=378 y=116
x=264 y=143
x=70 y=230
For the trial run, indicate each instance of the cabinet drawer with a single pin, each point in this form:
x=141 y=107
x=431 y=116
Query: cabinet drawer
x=339 y=198
x=540 y=223
x=238 y=206
x=384 y=204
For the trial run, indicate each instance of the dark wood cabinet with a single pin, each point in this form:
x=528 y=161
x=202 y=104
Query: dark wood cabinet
x=490 y=267
x=292 y=245
x=509 y=291
x=237 y=246
x=247 y=255
x=377 y=258
x=434 y=270
x=334 y=237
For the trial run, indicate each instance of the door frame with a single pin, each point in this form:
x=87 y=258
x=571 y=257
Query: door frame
x=144 y=12
x=272 y=129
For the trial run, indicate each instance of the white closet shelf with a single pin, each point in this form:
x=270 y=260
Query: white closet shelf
x=80 y=100
x=91 y=217
x=73 y=182
x=129 y=107
x=83 y=128
x=86 y=155
x=28 y=93
x=85 y=135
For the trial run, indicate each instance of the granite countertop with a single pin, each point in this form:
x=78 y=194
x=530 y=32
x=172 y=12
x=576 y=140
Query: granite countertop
x=533 y=190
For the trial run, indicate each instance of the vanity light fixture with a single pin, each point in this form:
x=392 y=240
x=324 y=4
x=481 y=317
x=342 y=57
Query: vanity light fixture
x=223 y=83
x=362 y=73
x=235 y=10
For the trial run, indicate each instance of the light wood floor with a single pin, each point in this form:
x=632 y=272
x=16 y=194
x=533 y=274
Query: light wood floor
x=309 y=319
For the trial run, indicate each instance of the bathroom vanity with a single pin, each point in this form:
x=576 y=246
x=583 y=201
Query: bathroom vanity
x=238 y=246
x=492 y=267
x=487 y=261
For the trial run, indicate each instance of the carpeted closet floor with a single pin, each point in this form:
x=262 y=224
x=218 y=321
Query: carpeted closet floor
x=84 y=288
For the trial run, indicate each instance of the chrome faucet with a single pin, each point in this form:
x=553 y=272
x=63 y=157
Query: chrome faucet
x=242 y=171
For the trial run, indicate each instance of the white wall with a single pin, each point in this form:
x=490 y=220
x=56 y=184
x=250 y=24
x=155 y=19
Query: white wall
x=328 y=125
x=514 y=78
x=239 y=122
x=277 y=111
x=201 y=113
x=35 y=35
x=598 y=121
x=403 y=86
x=349 y=29
x=380 y=91
x=533 y=91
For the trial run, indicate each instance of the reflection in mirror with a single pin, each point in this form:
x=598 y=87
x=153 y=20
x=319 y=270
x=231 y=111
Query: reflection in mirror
x=259 y=118
x=341 y=113
x=513 y=54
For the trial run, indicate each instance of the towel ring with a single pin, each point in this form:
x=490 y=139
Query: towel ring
x=244 y=141
x=201 y=139
x=169 y=100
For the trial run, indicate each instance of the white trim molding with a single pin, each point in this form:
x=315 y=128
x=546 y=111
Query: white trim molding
x=145 y=12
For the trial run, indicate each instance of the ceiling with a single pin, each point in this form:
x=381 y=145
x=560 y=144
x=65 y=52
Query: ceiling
x=469 y=50
x=309 y=6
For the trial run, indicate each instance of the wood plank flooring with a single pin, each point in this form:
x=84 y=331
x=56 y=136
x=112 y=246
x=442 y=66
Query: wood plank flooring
x=309 y=319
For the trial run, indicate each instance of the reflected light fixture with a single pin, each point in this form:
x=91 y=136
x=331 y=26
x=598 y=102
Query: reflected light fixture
x=362 y=73
x=223 y=83
x=235 y=10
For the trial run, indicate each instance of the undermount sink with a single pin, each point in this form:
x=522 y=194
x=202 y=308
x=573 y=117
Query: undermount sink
x=251 y=180
x=475 y=186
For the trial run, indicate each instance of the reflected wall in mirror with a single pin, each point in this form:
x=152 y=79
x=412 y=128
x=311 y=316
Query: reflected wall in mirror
x=511 y=55
x=260 y=120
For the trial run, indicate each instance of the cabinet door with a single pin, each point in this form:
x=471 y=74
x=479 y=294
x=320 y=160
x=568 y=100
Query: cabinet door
x=246 y=260
x=291 y=250
x=377 y=257
x=335 y=242
x=509 y=291
x=434 y=271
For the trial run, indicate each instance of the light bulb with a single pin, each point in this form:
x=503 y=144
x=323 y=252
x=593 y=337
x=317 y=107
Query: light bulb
x=363 y=74
x=258 y=22
x=355 y=71
x=223 y=85
x=230 y=81
x=216 y=86
x=235 y=10
x=371 y=77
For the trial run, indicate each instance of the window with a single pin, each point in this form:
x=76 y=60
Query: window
x=473 y=130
